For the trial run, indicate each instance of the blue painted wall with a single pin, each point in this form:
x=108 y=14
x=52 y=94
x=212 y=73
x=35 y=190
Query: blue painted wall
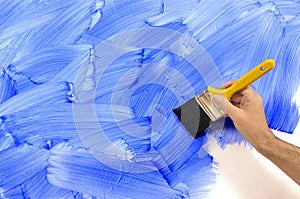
x=87 y=89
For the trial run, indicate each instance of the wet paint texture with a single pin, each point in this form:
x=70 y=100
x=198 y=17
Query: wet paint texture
x=130 y=144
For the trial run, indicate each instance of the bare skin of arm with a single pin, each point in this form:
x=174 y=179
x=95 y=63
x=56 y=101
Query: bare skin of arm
x=247 y=113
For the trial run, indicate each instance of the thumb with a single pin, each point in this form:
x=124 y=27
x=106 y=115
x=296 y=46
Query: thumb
x=225 y=105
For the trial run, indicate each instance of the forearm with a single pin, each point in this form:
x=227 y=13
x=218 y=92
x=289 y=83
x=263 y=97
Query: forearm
x=286 y=156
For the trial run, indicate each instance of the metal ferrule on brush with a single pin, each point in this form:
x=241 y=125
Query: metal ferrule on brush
x=205 y=102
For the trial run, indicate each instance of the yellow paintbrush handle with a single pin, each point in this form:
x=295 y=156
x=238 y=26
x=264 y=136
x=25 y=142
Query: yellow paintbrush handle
x=245 y=80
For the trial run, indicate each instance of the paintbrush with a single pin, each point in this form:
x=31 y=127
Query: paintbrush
x=197 y=114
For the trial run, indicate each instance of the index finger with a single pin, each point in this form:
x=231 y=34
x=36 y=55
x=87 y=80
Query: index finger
x=227 y=84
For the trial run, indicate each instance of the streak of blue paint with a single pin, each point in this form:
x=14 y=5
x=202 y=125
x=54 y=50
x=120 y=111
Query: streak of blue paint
x=7 y=85
x=47 y=46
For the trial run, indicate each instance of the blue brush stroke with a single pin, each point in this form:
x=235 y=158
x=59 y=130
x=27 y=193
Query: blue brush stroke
x=41 y=66
x=26 y=160
x=50 y=61
x=7 y=86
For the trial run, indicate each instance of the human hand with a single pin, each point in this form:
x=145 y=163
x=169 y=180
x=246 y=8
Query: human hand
x=246 y=110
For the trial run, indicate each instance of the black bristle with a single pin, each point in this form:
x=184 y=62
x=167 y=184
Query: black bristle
x=193 y=118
